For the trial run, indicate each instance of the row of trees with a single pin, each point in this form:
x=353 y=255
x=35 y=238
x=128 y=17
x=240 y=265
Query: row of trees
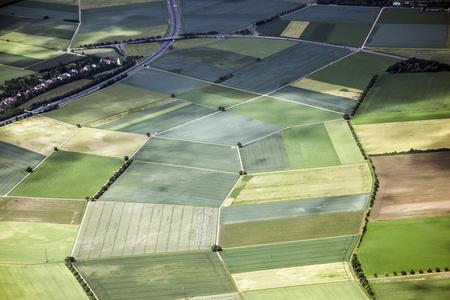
x=68 y=261
x=412 y=272
x=361 y=276
x=379 y=3
x=362 y=97
x=113 y=178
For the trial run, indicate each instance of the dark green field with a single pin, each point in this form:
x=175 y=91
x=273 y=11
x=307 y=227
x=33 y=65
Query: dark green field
x=9 y=178
x=18 y=158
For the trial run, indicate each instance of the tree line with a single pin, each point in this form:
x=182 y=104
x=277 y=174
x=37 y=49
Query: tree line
x=417 y=65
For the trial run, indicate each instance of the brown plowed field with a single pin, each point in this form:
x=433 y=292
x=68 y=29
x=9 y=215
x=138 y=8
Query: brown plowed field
x=412 y=185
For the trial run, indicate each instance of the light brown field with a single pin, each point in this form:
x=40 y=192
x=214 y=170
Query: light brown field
x=412 y=185
x=294 y=29
x=327 y=88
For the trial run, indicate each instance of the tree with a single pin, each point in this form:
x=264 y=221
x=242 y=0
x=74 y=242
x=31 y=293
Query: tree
x=403 y=272
x=420 y=271
x=242 y=172
x=29 y=169
x=148 y=134
x=437 y=269
x=55 y=149
x=172 y=95
x=78 y=126
x=87 y=198
x=221 y=108
x=446 y=269
x=239 y=144
x=216 y=248
x=258 y=59
x=412 y=272
x=429 y=270
x=386 y=274
x=125 y=158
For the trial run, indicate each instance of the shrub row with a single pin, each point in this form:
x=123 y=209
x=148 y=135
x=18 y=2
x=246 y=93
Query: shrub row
x=361 y=276
x=363 y=95
x=412 y=151
x=113 y=178
x=357 y=140
x=223 y=78
x=412 y=272
x=68 y=261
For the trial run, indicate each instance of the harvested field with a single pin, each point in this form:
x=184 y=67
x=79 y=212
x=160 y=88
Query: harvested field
x=203 y=274
x=38 y=133
x=303 y=184
x=39 y=282
x=327 y=88
x=197 y=155
x=48 y=42
x=9 y=178
x=285 y=255
x=280 y=230
x=282 y=113
x=103 y=142
x=68 y=175
x=416 y=187
x=26 y=243
x=294 y=29
x=18 y=158
x=343 y=142
x=27 y=51
x=402 y=245
x=293 y=209
x=413 y=289
x=157 y=183
x=35 y=210
x=337 y=14
x=402 y=136
x=267 y=279
x=141 y=228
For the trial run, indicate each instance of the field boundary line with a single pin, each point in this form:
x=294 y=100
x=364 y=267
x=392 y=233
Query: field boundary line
x=26 y=68
x=142 y=145
x=371 y=29
x=79 y=229
x=12 y=168
x=229 y=274
x=267 y=135
x=189 y=141
x=240 y=103
x=300 y=103
x=148 y=67
x=68 y=137
x=78 y=27
x=181 y=166
x=235 y=88
x=85 y=281
x=12 y=67
x=220 y=208
x=212 y=113
x=240 y=159
x=315 y=123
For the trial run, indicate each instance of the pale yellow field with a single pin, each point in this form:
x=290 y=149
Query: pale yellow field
x=295 y=29
x=103 y=142
x=284 y=277
x=402 y=136
x=304 y=184
x=327 y=88
x=38 y=133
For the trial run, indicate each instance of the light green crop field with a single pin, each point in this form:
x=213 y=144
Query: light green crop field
x=402 y=136
x=29 y=243
x=142 y=228
x=348 y=71
x=198 y=155
x=303 y=184
x=309 y=147
x=402 y=245
x=141 y=49
x=343 y=142
x=293 y=254
x=36 y=210
x=261 y=48
x=115 y=100
x=48 y=42
x=37 y=133
x=68 y=175
x=282 y=113
x=407 y=93
x=422 y=116
x=27 y=50
x=39 y=282
x=7 y=73
x=192 y=42
x=415 y=289
x=182 y=274
x=305 y=275
x=102 y=52
x=325 y=291
x=294 y=29
x=103 y=142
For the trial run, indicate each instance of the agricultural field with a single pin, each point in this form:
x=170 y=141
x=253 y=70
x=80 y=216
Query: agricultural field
x=327 y=88
x=402 y=136
x=103 y=142
x=222 y=128
x=294 y=29
x=167 y=184
x=7 y=73
x=31 y=243
x=37 y=133
x=337 y=14
x=166 y=116
x=416 y=187
x=141 y=49
x=197 y=155
x=111 y=103
x=343 y=142
x=285 y=67
x=407 y=93
x=49 y=63
x=9 y=178
x=131 y=277
x=39 y=282
x=195 y=42
x=285 y=255
x=402 y=245
x=280 y=230
x=293 y=209
x=142 y=228
x=267 y=154
x=302 y=184
x=18 y=158
x=339 y=290
x=88 y=4
x=37 y=9
x=68 y=175
x=35 y=210
x=282 y=113
x=105 y=52
x=285 y=277
x=412 y=289
x=215 y=95
x=22 y=55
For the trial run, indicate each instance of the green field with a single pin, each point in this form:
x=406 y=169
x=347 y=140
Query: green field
x=9 y=178
x=329 y=291
x=282 y=113
x=215 y=95
x=407 y=93
x=433 y=289
x=157 y=183
x=38 y=9
x=422 y=116
x=49 y=63
x=157 y=275
x=48 y=42
x=285 y=255
x=281 y=230
x=292 y=209
x=87 y=4
x=39 y=282
x=142 y=228
x=309 y=147
x=222 y=128
x=206 y=156
x=267 y=154
x=29 y=243
x=182 y=43
x=348 y=72
x=303 y=184
x=114 y=100
x=412 y=16
x=35 y=210
x=7 y=73
x=68 y=175
x=327 y=88
x=141 y=49
x=343 y=142
x=274 y=28
x=106 y=52
x=337 y=14
x=18 y=158
x=402 y=245
x=26 y=51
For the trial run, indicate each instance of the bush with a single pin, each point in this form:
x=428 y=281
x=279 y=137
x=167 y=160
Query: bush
x=429 y=270
x=446 y=269
x=403 y=272
x=386 y=274
x=216 y=248
x=395 y=273
x=375 y=275
x=437 y=269
x=420 y=271
x=29 y=169
x=412 y=272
